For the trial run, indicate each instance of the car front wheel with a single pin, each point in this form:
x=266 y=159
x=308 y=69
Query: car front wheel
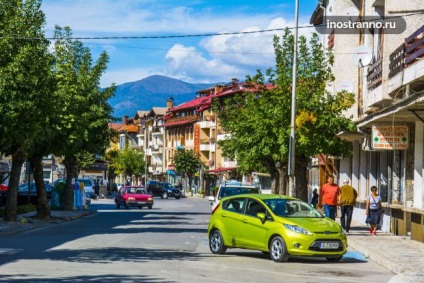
x=278 y=250
x=150 y=207
x=216 y=243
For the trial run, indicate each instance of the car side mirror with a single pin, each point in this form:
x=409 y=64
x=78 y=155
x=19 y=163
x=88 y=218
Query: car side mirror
x=211 y=199
x=261 y=216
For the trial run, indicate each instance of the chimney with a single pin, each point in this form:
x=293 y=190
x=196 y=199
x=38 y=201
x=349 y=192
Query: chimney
x=125 y=119
x=170 y=102
x=235 y=81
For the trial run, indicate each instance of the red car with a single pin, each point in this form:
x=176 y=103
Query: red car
x=133 y=196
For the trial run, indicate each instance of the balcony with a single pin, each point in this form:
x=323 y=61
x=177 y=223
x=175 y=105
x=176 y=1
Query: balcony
x=406 y=63
x=157 y=131
x=206 y=124
x=375 y=75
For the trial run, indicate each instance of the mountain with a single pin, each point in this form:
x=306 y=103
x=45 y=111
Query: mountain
x=151 y=92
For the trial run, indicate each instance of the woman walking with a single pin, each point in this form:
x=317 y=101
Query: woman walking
x=373 y=210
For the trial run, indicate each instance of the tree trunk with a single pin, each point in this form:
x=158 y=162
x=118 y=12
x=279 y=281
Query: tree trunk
x=18 y=158
x=43 y=208
x=71 y=167
x=278 y=176
x=301 y=176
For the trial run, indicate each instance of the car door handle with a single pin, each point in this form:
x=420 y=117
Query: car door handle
x=224 y=215
x=244 y=220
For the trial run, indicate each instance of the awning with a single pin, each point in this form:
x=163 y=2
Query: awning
x=222 y=169
x=350 y=136
x=177 y=123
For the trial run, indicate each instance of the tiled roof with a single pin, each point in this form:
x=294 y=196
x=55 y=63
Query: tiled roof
x=159 y=110
x=192 y=103
x=115 y=126
x=129 y=128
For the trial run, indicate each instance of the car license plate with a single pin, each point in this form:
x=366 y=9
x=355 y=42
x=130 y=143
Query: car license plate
x=329 y=245
x=141 y=202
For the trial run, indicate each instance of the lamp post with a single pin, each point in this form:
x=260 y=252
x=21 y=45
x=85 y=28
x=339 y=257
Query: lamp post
x=291 y=163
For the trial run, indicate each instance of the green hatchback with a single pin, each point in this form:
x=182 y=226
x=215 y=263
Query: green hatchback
x=278 y=225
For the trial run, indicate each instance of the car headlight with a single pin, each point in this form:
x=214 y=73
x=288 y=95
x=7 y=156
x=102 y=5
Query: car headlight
x=169 y=191
x=149 y=199
x=297 y=229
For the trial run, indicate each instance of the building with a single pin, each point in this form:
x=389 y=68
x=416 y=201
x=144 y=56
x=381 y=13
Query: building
x=386 y=74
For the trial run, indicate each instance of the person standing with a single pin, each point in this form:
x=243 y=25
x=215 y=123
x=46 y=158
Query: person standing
x=97 y=188
x=348 y=197
x=315 y=198
x=329 y=197
x=373 y=210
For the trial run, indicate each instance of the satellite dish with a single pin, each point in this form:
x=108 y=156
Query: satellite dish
x=352 y=13
x=345 y=85
x=362 y=56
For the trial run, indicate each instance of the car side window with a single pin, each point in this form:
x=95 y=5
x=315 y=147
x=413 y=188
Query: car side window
x=254 y=207
x=235 y=205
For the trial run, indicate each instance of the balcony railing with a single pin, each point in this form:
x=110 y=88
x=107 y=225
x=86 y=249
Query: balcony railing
x=407 y=53
x=375 y=74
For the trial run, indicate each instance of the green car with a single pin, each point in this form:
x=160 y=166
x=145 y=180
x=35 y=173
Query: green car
x=278 y=225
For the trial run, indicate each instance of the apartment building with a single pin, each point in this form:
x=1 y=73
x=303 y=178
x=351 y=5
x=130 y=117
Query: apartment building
x=384 y=68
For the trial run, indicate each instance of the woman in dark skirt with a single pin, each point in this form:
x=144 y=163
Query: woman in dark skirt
x=373 y=210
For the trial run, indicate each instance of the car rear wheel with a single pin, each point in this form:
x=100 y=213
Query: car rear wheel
x=150 y=207
x=334 y=259
x=164 y=195
x=278 y=250
x=140 y=207
x=216 y=243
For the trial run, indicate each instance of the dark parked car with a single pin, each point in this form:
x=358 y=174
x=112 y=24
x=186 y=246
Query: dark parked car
x=170 y=190
x=23 y=193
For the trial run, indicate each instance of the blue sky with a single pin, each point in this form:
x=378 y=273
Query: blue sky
x=202 y=59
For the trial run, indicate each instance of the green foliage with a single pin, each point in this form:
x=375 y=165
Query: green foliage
x=22 y=209
x=129 y=162
x=186 y=162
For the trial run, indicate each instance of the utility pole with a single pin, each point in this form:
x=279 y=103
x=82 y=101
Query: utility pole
x=291 y=165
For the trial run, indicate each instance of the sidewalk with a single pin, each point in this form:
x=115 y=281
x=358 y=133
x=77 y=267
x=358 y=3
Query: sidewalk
x=399 y=254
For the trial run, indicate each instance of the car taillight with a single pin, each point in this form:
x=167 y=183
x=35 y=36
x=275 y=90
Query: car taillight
x=216 y=207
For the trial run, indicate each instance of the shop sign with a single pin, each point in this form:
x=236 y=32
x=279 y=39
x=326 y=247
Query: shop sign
x=389 y=137
x=197 y=138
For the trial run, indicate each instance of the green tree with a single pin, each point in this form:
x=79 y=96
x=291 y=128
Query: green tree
x=259 y=121
x=130 y=162
x=25 y=88
x=85 y=111
x=186 y=163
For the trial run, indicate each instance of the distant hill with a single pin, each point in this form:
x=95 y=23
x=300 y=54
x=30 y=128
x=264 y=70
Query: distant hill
x=151 y=92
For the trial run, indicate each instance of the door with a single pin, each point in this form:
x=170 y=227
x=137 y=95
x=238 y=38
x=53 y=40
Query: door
x=231 y=220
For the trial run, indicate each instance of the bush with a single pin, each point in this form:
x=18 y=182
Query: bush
x=22 y=209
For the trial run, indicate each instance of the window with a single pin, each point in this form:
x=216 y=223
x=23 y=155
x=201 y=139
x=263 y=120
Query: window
x=254 y=207
x=234 y=205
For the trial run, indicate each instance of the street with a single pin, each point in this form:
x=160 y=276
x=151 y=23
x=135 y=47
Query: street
x=166 y=244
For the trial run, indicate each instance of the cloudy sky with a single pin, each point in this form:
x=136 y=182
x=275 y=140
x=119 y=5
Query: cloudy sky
x=194 y=59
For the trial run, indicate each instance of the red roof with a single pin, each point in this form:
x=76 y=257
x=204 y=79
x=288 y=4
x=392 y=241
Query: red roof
x=115 y=126
x=177 y=123
x=193 y=103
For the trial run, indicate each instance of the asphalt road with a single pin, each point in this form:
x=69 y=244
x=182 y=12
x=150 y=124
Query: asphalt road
x=166 y=244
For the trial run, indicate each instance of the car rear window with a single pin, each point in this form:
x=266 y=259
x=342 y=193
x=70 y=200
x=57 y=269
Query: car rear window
x=232 y=191
x=86 y=182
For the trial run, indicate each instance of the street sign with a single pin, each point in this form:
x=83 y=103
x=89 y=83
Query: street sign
x=389 y=137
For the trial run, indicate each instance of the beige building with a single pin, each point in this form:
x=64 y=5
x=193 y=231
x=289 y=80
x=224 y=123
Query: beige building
x=384 y=68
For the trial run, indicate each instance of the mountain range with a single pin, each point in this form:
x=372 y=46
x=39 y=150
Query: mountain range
x=151 y=92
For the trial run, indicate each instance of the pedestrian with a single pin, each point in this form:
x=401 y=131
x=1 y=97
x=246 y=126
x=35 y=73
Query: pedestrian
x=373 y=210
x=315 y=198
x=97 y=188
x=348 y=197
x=329 y=198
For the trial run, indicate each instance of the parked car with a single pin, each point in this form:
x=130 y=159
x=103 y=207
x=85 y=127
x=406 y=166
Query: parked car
x=133 y=196
x=169 y=190
x=279 y=225
x=23 y=193
x=231 y=188
x=88 y=187
x=155 y=188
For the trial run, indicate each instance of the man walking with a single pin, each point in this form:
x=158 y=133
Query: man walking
x=329 y=197
x=347 y=202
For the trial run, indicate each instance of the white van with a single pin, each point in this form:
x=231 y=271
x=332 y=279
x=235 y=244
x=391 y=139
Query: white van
x=231 y=188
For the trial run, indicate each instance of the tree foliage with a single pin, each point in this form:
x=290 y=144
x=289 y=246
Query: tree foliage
x=260 y=120
x=129 y=162
x=186 y=162
x=26 y=88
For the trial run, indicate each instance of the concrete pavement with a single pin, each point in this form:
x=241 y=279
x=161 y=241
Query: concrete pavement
x=402 y=256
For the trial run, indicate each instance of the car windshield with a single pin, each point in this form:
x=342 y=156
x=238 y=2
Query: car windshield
x=134 y=190
x=232 y=191
x=167 y=186
x=24 y=187
x=292 y=208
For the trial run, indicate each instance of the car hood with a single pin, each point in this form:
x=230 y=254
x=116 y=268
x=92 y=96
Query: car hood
x=313 y=224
